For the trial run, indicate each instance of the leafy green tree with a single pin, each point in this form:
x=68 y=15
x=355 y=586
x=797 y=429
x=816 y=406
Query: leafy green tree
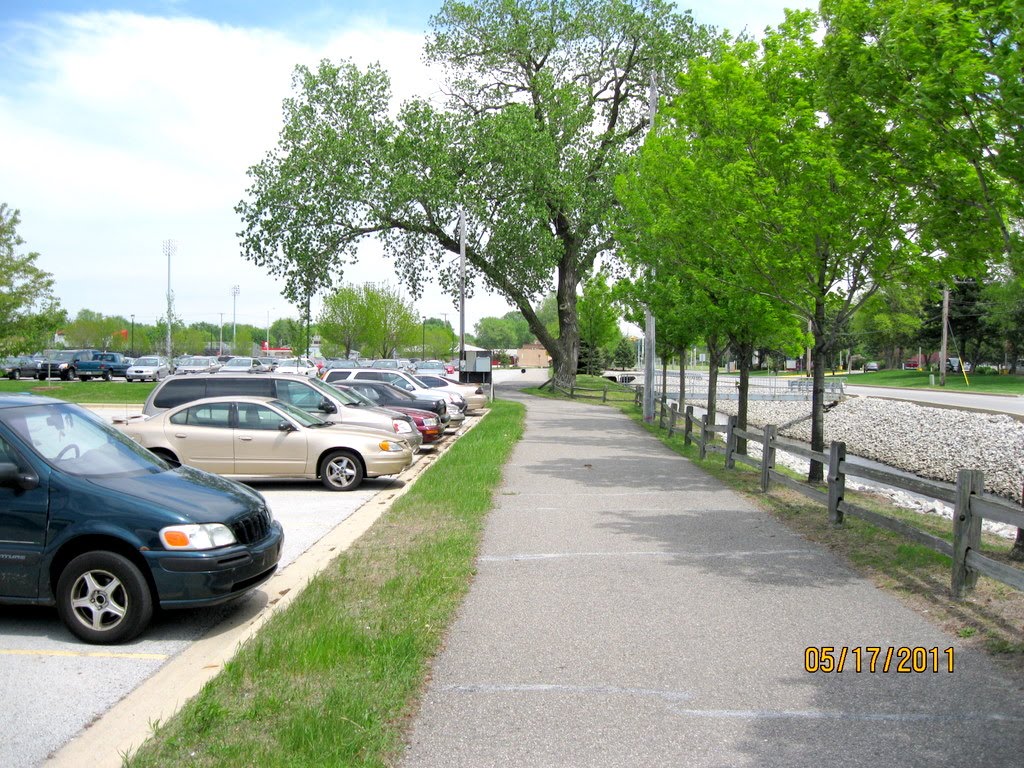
x=29 y=312
x=625 y=354
x=598 y=316
x=545 y=101
x=761 y=182
x=343 y=320
x=889 y=323
x=496 y=333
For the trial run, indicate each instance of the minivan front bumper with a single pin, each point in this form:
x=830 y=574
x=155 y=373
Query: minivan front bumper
x=194 y=579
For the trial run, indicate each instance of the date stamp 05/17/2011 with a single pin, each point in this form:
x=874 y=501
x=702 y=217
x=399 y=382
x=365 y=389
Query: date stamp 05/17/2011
x=873 y=658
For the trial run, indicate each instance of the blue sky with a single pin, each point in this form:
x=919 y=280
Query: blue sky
x=125 y=124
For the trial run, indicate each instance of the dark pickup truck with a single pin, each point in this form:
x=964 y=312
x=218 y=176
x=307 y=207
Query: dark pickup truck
x=64 y=364
x=103 y=365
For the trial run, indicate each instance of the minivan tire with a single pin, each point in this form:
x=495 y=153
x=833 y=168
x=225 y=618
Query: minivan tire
x=104 y=598
x=341 y=471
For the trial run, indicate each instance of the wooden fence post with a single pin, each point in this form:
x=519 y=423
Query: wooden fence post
x=767 y=456
x=604 y=395
x=661 y=416
x=703 y=441
x=639 y=394
x=672 y=416
x=688 y=425
x=730 y=443
x=836 y=482
x=966 y=530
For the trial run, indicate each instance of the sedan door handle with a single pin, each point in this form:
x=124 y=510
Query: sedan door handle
x=180 y=435
x=245 y=438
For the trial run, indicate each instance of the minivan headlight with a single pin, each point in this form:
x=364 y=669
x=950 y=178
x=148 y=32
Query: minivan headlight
x=196 y=537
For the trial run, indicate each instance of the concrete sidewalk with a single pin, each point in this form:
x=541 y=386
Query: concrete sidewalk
x=631 y=611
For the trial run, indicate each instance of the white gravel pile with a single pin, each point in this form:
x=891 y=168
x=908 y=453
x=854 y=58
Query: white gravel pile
x=930 y=442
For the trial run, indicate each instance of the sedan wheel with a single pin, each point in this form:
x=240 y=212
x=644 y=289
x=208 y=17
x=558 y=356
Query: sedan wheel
x=341 y=471
x=104 y=598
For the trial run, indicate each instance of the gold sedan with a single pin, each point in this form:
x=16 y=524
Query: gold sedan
x=261 y=438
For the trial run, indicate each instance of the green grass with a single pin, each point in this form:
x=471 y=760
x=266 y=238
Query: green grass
x=334 y=678
x=113 y=392
x=989 y=383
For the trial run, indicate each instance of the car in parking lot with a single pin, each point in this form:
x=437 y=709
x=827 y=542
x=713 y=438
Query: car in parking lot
x=245 y=365
x=94 y=524
x=196 y=364
x=387 y=396
x=473 y=394
x=428 y=423
x=151 y=367
x=19 y=365
x=301 y=365
x=871 y=366
x=305 y=392
x=456 y=403
x=254 y=437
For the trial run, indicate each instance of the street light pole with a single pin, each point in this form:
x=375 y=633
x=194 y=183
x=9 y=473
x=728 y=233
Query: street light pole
x=133 y=336
x=234 y=318
x=423 y=339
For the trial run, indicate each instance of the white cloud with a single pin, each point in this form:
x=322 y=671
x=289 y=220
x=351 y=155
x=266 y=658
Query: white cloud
x=133 y=129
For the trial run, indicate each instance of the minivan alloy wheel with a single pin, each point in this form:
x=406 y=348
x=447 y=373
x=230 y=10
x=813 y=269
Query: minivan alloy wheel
x=104 y=598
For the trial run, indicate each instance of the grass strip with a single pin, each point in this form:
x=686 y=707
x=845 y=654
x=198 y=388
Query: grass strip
x=334 y=678
x=107 y=392
x=993 y=614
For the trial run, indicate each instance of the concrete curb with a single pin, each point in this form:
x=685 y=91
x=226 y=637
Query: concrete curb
x=108 y=740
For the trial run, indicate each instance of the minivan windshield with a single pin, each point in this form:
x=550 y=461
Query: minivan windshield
x=72 y=440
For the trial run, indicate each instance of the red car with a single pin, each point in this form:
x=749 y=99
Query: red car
x=426 y=422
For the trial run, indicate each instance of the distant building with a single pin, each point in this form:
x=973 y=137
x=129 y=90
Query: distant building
x=533 y=356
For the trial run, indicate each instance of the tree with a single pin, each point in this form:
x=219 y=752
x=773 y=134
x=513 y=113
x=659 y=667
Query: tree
x=545 y=101
x=343 y=320
x=598 y=316
x=496 y=333
x=760 y=181
x=29 y=312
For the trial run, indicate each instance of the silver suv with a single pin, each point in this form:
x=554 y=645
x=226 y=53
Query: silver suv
x=309 y=394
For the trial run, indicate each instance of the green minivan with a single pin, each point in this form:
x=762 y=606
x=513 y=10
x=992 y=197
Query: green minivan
x=96 y=525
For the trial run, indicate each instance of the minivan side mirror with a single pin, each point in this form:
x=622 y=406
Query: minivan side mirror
x=327 y=406
x=11 y=474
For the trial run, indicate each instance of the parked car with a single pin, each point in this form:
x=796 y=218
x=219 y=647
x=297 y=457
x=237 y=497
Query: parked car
x=435 y=367
x=20 y=365
x=63 y=364
x=270 y=363
x=386 y=395
x=150 y=367
x=341 y=363
x=103 y=365
x=299 y=365
x=428 y=423
x=386 y=363
x=256 y=437
x=473 y=394
x=197 y=364
x=104 y=530
x=309 y=394
x=456 y=404
x=244 y=365
x=871 y=366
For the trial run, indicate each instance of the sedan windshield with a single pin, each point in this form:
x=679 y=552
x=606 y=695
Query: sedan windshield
x=147 y=361
x=72 y=440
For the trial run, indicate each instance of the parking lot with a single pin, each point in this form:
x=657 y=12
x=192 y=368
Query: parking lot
x=58 y=686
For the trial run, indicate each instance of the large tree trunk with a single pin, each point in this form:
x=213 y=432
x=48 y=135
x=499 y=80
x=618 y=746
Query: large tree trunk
x=681 y=351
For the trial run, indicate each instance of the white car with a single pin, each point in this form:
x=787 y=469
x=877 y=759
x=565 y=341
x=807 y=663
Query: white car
x=299 y=365
x=150 y=367
x=473 y=394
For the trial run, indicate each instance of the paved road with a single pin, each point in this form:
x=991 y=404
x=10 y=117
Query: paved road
x=1012 y=405
x=631 y=611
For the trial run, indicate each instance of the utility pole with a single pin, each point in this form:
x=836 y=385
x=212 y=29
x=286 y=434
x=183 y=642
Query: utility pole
x=648 y=315
x=169 y=248
x=945 y=324
x=234 y=318
x=220 y=346
x=462 y=295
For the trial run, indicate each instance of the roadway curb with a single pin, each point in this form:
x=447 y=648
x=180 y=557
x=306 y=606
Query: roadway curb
x=110 y=739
